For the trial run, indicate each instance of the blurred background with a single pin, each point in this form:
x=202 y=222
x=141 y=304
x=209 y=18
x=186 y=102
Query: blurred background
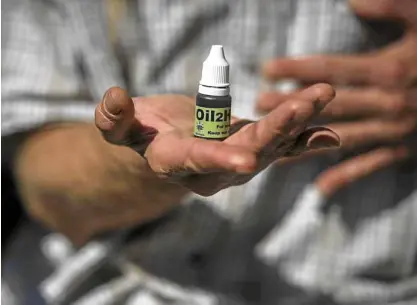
x=85 y=221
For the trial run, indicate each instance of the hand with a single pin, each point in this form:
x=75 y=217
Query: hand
x=376 y=101
x=160 y=128
x=73 y=181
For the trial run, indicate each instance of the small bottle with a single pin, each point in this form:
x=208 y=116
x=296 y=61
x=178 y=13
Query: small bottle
x=213 y=102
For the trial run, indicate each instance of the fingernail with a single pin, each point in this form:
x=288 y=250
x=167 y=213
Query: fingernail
x=322 y=141
x=109 y=104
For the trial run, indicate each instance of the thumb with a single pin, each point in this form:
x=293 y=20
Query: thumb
x=114 y=116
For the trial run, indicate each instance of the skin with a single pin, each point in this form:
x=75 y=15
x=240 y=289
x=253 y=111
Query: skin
x=376 y=100
x=160 y=130
x=91 y=186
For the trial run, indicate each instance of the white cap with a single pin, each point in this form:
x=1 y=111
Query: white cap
x=215 y=74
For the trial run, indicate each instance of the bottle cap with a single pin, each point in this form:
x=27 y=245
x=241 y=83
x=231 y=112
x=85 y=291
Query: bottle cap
x=215 y=69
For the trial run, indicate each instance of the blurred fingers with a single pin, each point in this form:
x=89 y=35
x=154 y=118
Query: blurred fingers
x=371 y=132
x=347 y=172
x=339 y=70
x=363 y=102
x=353 y=103
x=375 y=9
x=405 y=10
x=268 y=101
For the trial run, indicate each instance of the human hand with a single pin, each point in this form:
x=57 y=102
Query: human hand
x=73 y=181
x=376 y=101
x=160 y=128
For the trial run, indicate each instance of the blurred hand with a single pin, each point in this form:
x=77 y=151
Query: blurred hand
x=376 y=101
x=160 y=128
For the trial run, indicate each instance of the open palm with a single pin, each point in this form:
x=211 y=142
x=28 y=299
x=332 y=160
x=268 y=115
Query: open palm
x=160 y=128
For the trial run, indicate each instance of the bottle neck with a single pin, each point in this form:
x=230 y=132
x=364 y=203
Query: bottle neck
x=214 y=91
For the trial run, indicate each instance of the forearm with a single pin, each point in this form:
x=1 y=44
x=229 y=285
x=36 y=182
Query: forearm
x=73 y=181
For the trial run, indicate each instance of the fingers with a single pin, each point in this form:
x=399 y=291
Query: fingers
x=339 y=70
x=405 y=10
x=353 y=135
x=287 y=121
x=268 y=101
x=375 y=9
x=370 y=102
x=353 y=103
x=371 y=132
x=114 y=116
x=170 y=156
x=347 y=172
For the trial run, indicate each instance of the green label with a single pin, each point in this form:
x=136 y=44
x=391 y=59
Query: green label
x=212 y=123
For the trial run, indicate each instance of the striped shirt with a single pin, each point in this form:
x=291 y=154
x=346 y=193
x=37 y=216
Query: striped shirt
x=274 y=240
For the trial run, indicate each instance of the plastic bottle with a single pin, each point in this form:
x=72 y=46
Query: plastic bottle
x=213 y=102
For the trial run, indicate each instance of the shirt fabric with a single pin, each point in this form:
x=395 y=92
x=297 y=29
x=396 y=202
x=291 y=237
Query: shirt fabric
x=274 y=240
